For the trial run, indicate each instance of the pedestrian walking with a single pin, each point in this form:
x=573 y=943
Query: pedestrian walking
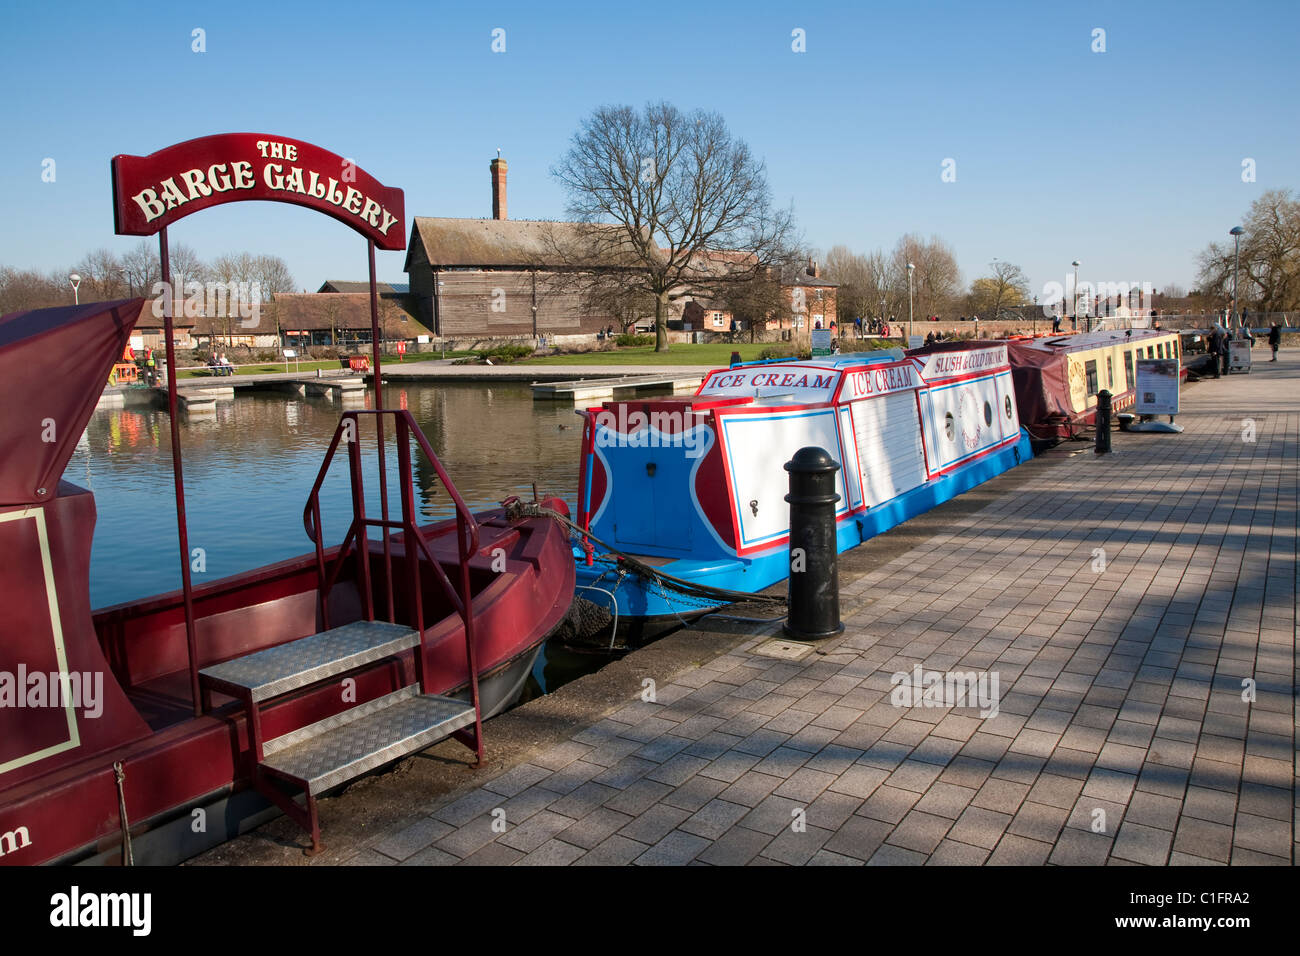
x=1274 y=339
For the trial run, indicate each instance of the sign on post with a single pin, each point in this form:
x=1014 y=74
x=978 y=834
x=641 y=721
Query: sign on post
x=290 y=354
x=1239 y=355
x=821 y=342
x=1157 y=387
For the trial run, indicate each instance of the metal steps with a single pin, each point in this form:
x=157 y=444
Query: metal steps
x=350 y=743
x=344 y=746
x=287 y=667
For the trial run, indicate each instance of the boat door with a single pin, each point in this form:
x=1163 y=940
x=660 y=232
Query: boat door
x=652 y=508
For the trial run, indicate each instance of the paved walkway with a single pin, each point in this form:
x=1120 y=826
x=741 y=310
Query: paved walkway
x=1122 y=735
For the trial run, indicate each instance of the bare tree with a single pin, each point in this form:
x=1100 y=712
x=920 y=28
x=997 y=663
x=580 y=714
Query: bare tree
x=1269 y=272
x=689 y=204
x=102 y=276
x=936 y=281
x=141 y=268
x=1005 y=287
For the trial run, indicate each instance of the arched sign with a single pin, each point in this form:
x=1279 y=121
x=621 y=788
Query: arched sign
x=152 y=192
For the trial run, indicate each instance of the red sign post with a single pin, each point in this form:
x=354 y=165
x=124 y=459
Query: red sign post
x=152 y=192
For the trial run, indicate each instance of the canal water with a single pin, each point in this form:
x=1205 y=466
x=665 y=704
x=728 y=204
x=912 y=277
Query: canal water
x=250 y=467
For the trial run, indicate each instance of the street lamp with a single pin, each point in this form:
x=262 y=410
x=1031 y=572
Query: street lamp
x=1075 y=321
x=910 y=269
x=76 y=281
x=1236 y=233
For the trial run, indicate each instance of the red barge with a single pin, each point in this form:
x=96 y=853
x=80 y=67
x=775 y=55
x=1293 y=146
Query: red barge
x=150 y=731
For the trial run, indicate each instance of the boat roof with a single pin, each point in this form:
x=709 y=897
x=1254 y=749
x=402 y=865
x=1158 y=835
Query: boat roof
x=54 y=364
x=1092 y=340
x=838 y=361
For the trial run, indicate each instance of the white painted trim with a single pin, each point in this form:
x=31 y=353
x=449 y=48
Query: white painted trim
x=56 y=628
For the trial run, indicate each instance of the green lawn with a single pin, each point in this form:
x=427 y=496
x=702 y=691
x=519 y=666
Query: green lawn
x=716 y=355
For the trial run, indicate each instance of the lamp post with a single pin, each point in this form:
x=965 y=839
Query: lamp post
x=1075 y=323
x=76 y=281
x=910 y=269
x=1236 y=233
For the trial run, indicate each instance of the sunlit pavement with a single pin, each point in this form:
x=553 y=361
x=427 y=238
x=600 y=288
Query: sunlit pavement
x=1137 y=610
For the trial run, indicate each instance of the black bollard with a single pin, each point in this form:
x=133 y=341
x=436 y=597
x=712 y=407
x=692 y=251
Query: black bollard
x=814 y=611
x=1103 y=422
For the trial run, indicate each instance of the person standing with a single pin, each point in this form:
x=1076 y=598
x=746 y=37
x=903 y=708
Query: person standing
x=1216 y=339
x=1274 y=339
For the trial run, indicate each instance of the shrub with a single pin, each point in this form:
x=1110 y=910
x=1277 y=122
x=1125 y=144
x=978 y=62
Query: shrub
x=627 y=340
x=784 y=352
x=499 y=355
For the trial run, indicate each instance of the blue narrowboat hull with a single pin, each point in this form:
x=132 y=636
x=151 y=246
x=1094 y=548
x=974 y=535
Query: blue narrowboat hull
x=632 y=597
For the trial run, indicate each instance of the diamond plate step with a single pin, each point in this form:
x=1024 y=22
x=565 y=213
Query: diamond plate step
x=358 y=740
x=278 y=670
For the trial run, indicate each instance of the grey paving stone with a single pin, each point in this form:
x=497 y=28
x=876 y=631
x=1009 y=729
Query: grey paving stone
x=920 y=831
x=615 y=850
x=673 y=849
x=413 y=838
x=1081 y=848
x=1142 y=844
x=736 y=847
x=552 y=853
x=535 y=831
x=493 y=854
x=1015 y=850
x=593 y=827
x=714 y=819
x=1203 y=839
x=952 y=853
x=980 y=827
x=751 y=788
x=797 y=848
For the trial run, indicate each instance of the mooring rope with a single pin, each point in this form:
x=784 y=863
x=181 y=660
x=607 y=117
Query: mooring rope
x=128 y=856
x=519 y=509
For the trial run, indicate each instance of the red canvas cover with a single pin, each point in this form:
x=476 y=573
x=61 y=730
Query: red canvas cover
x=54 y=364
x=1042 y=383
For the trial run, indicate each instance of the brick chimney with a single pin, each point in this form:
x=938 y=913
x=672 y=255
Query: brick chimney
x=498 y=167
x=813 y=269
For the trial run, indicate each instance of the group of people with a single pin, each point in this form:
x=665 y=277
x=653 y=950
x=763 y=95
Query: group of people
x=1218 y=344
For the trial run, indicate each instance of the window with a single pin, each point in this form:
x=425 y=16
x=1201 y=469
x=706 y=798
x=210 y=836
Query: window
x=1128 y=370
x=950 y=427
x=1008 y=406
x=1151 y=353
x=988 y=414
x=1160 y=350
x=1110 y=372
x=1090 y=373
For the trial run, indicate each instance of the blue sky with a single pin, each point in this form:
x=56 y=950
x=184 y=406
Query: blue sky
x=1129 y=160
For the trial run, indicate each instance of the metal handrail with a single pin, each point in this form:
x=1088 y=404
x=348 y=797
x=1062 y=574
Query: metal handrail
x=467 y=538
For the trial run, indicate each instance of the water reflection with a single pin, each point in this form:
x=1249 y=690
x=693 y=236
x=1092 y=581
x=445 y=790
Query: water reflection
x=250 y=465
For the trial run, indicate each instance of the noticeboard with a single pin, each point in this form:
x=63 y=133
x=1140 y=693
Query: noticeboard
x=821 y=342
x=1157 y=387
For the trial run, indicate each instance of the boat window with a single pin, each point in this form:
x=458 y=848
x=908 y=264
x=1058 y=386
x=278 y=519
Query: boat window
x=988 y=414
x=1008 y=406
x=1090 y=373
x=1151 y=353
x=949 y=427
x=1128 y=370
x=1110 y=372
x=1160 y=350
